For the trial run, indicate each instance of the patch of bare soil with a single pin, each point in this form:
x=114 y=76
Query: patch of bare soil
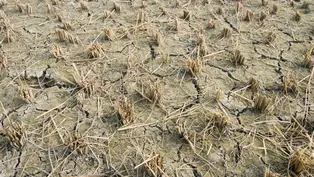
x=156 y=88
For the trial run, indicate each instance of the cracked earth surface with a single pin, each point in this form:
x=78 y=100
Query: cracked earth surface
x=180 y=126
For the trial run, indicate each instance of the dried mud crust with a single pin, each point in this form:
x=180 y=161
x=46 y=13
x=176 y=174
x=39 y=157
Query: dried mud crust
x=156 y=88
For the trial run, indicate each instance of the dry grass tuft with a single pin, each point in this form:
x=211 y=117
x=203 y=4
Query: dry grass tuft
x=202 y=48
x=16 y=135
x=184 y=132
x=3 y=3
x=254 y=85
x=60 y=17
x=57 y=52
x=67 y=25
x=237 y=58
x=95 y=50
x=125 y=111
x=226 y=32
x=219 y=122
x=3 y=61
x=20 y=7
x=155 y=164
x=77 y=143
x=26 y=93
x=261 y=103
x=194 y=66
x=157 y=38
x=290 y=84
x=109 y=34
x=308 y=61
x=302 y=161
x=297 y=16
x=83 y=83
x=150 y=91
x=220 y=11
x=64 y=35
x=239 y=7
x=248 y=16
x=106 y=15
x=219 y=95
x=8 y=33
x=29 y=9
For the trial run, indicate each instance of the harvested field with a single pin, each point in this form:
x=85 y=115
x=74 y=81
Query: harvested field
x=172 y=88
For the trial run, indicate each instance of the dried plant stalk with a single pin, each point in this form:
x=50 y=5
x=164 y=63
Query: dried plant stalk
x=29 y=9
x=77 y=143
x=95 y=50
x=26 y=93
x=20 y=7
x=239 y=7
x=226 y=32
x=308 y=61
x=249 y=15
x=155 y=165
x=109 y=34
x=57 y=52
x=194 y=66
x=3 y=61
x=157 y=38
x=219 y=122
x=64 y=35
x=301 y=160
x=16 y=135
x=67 y=25
x=125 y=111
x=9 y=36
x=219 y=95
x=82 y=82
x=238 y=58
x=254 y=85
x=297 y=16
x=261 y=103
x=150 y=91
x=220 y=11
x=106 y=14
x=290 y=85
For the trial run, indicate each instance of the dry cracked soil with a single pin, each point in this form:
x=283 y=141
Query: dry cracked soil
x=172 y=88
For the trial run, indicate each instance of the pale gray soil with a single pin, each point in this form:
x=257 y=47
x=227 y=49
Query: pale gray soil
x=250 y=141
